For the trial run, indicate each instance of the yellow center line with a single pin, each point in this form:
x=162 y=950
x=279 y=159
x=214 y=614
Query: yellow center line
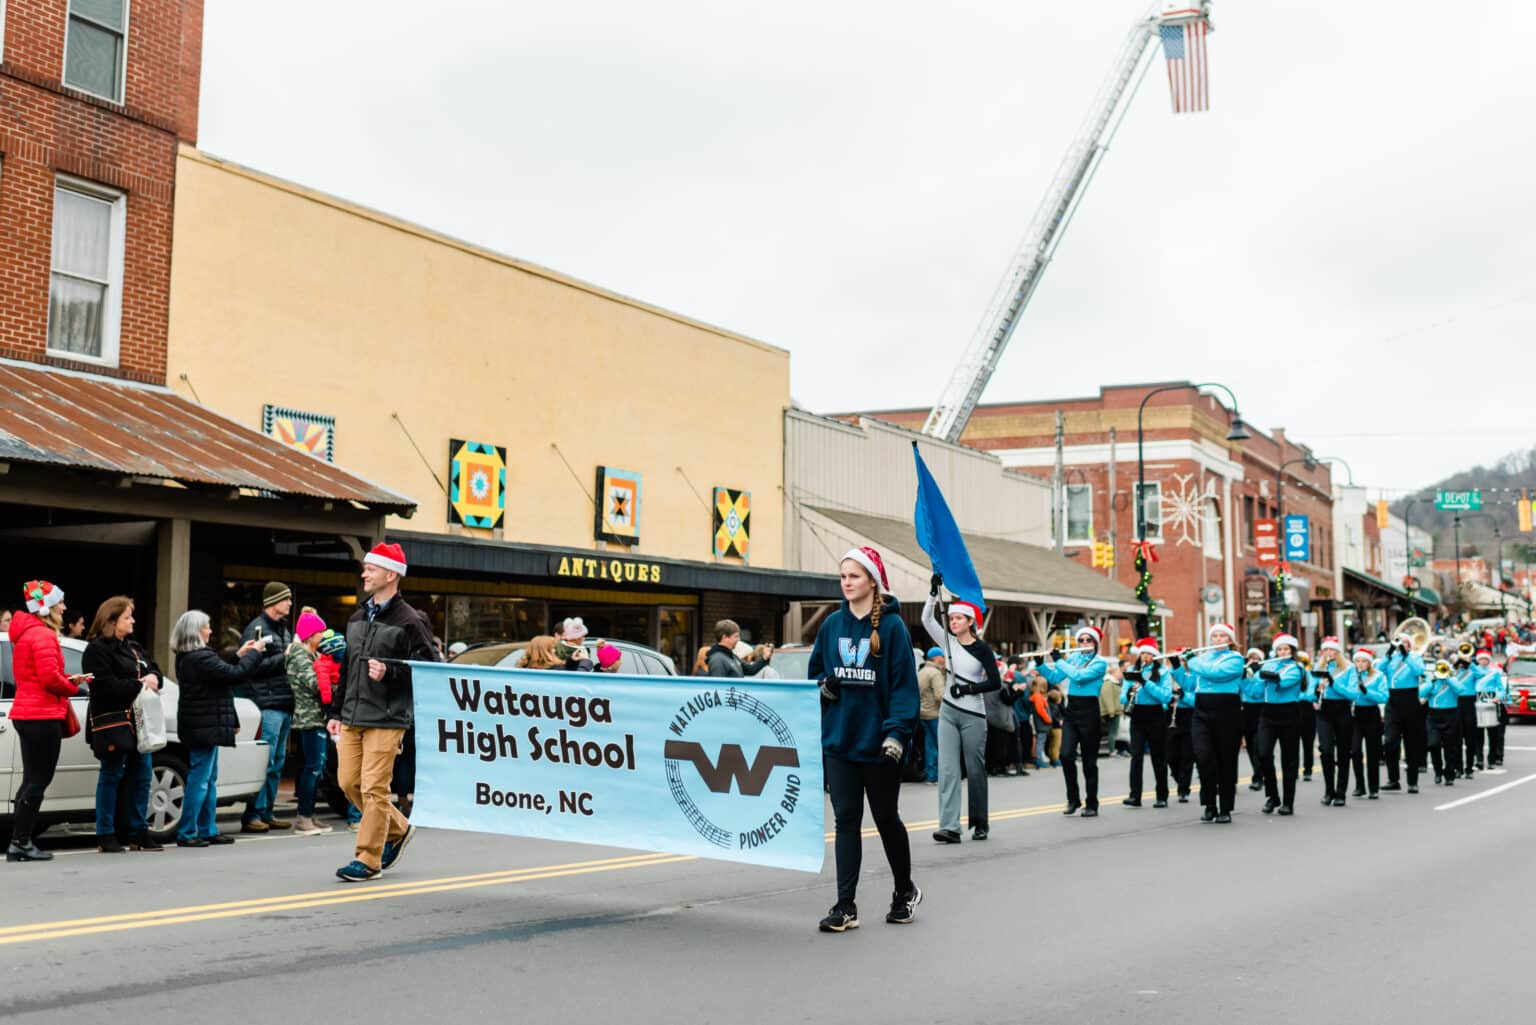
x=37 y=931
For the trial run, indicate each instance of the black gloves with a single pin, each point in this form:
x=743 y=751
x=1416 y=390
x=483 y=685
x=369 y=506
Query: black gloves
x=934 y=583
x=1133 y=674
x=1270 y=675
x=961 y=690
x=1055 y=655
x=831 y=688
x=1156 y=673
x=1175 y=662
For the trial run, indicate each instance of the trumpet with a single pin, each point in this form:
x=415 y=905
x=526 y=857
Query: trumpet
x=1466 y=649
x=1443 y=670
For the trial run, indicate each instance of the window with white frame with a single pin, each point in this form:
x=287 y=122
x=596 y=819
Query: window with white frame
x=95 y=44
x=85 y=291
x=1149 y=509
x=1211 y=529
x=1078 y=514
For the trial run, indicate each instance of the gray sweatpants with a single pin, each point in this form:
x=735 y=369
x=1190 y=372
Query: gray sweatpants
x=962 y=736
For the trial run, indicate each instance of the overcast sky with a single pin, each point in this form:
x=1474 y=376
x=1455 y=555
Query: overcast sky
x=1345 y=239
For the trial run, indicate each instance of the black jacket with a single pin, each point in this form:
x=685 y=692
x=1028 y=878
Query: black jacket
x=397 y=633
x=116 y=667
x=268 y=685
x=205 y=710
x=723 y=662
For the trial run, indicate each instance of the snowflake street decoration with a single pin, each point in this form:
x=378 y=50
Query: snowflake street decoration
x=1184 y=508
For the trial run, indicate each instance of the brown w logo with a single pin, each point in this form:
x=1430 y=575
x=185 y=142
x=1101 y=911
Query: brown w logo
x=733 y=765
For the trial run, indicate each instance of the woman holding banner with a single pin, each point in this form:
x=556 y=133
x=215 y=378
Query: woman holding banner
x=863 y=659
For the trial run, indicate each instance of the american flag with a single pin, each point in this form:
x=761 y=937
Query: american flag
x=1188 y=79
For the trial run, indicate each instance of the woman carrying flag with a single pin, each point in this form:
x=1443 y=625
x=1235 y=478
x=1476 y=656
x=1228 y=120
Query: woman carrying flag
x=971 y=668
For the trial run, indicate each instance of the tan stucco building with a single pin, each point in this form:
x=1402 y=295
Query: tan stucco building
x=379 y=343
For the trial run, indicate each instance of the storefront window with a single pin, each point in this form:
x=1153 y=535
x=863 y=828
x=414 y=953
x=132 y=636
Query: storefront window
x=619 y=622
x=677 y=638
x=474 y=619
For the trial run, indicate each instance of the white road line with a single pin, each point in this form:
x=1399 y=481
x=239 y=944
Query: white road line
x=1486 y=793
x=1511 y=747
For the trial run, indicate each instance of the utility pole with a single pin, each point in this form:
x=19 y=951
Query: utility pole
x=1110 y=570
x=1058 y=486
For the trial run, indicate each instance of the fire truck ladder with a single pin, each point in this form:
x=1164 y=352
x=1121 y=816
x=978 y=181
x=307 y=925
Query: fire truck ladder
x=949 y=417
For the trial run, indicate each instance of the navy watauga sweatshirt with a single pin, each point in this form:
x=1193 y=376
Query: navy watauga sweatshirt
x=878 y=695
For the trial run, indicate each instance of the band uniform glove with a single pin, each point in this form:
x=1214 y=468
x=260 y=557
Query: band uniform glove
x=1134 y=675
x=1270 y=675
x=961 y=690
x=831 y=688
x=1175 y=662
x=1055 y=655
x=934 y=583
x=891 y=749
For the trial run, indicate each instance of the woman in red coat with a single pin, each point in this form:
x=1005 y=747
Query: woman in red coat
x=40 y=708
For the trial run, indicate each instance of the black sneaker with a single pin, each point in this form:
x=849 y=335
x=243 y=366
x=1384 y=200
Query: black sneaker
x=220 y=840
x=109 y=845
x=1132 y=802
x=1071 y=809
x=1209 y=815
x=1393 y=786
x=1090 y=813
x=979 y=833
x=1358 y=792
x=1224 y=818
x=1413 y=788
x=841 y=918
x=1306 y=777
x=1256 y=785
x=1286 y=809
x=904 y=906
x=1183 y=798
x=946 y=836
x=1161 y=802
x=1269 y=807
x=195 y=841
x=145 y=842
x=1372 y=796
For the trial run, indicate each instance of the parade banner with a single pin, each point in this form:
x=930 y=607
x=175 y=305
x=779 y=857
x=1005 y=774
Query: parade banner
x=719 y=768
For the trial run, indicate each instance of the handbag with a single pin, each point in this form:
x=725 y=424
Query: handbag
x=71 y=720
x=112 y=731
x=148 y=721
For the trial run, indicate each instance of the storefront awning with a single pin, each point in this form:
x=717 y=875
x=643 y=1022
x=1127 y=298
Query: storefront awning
x=1011 y=572
x=59 y=418
x=440 y=553
x=1381 y=585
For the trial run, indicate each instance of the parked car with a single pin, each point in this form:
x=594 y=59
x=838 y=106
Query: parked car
x=1522 y=689
x=639 y=660
x=72 y=795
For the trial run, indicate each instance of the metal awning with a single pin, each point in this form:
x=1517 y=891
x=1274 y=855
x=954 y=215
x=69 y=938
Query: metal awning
x=61 y=418
x=1382 y=585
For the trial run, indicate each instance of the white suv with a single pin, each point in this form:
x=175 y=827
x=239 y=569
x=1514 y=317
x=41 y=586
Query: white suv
x=71 y=797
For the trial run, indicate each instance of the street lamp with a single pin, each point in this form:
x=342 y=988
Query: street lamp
x=1341 y=462
x=1310 y=462
x=1235 y=432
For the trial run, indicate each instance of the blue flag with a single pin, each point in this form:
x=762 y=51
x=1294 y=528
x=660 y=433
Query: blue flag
x=940 y=538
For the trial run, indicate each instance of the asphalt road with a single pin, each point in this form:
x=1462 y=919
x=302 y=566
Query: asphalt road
x=1397 y=910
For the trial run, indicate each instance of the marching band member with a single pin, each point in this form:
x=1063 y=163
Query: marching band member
x=1181 y=714
x=1494 y=686
x=1335 y=725
x=972 y=672
x=1465 y=681
x=1283 y=677
x=1252 y=692
x=1145 y=695
x=1405 y=672
x=1444 y=723
x=1218 y=723
x=1307 y=717
x=1365 y=751
x=1083 y=672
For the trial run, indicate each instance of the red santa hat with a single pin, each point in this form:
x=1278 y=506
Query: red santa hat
x=1089 y=631
x=1145 y=646
x=872 y=563
x=1482 y=654
x=1280 y=639
x=966 y=609
x=41 y=596
x=387 y=556
x=1365 y=653
x=1224 y=628
x=1331 y=644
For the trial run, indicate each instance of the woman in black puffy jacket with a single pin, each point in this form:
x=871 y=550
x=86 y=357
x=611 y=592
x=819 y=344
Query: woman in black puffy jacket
x=119 y=673
x=206 y=720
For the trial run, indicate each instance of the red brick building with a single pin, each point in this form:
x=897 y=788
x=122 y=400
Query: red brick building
x=1203 y=496
x=94 y=97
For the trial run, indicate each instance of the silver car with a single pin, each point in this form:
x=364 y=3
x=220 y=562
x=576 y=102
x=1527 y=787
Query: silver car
x=71 y=797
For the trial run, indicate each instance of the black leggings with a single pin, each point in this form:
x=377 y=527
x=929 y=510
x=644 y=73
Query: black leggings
x=40 y=740
x=1080 y=738
x=1336 y=736
x=1405 y=732
x=849 y=783
x=1366 y=749
x=1280 y=724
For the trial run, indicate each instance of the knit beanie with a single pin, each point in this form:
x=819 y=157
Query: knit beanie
x=273 y=593
x=309 y=624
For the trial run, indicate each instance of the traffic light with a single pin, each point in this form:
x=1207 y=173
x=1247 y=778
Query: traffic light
x=1098 y=555
x=1109 y=555
x=1382 y=521
x=1525 y=514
